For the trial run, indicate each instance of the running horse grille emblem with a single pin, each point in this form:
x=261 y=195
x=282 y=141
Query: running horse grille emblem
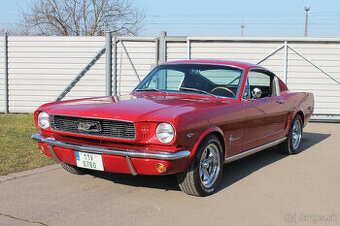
x=89 y=126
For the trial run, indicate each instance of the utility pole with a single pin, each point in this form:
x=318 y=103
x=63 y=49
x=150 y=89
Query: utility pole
x=242 y=29
x=306 y=22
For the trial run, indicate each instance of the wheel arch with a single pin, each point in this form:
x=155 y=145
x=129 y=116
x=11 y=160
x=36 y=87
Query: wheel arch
x=291 y=118
x=221 y=138
x=302 y=115
x=190 y=180
x=286 y=147
x=215 y=130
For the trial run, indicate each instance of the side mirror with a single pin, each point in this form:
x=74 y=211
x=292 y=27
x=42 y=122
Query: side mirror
x=256 y=93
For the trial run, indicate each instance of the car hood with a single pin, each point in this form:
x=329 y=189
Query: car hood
x=133 y=107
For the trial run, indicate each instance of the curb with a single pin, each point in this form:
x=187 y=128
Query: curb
x=27 y=173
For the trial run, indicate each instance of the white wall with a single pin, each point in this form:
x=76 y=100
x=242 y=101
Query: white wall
x=143 y=57
x=2 y=76
x=40 y=68
x=304 y=77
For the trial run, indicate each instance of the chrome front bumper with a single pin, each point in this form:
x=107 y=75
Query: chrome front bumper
x=50 y=141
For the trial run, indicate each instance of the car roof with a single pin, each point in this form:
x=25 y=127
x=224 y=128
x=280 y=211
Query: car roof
x=223 y=62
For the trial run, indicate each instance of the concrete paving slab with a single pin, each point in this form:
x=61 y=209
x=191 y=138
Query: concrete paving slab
x=27 y=173
x=266 y=188
x=14 y=221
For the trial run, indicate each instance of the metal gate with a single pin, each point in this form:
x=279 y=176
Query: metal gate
x=305 y=64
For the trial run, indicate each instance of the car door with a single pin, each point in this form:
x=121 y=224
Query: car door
x=265 y=117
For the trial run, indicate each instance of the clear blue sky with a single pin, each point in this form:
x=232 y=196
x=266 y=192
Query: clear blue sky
x=223 y=17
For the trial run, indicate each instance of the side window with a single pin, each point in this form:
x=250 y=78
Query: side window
x=262 y=81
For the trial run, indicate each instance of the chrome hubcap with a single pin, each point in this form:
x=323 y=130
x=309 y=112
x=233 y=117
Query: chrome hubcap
x=296 y=134
x=209 y=167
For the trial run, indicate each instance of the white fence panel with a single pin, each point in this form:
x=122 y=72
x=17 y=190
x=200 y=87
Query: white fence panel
x=143 y=57
x=2 y=75
x=302 y=76
x=176 y=51
x=41 y=67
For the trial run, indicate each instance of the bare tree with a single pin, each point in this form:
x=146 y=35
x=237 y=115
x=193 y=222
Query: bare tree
x=12 y=29
x=82 y=17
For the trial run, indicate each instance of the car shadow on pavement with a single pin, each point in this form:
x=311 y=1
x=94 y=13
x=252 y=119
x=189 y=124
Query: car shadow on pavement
x=167 y=182
x=232 y=172
x=235 y=171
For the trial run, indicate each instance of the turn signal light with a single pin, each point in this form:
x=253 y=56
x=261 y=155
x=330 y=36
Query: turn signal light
x=160 y=168
x=42 y=149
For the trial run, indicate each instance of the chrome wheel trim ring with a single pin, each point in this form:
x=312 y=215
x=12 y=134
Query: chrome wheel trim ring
x=209 y=166
x=296 y=134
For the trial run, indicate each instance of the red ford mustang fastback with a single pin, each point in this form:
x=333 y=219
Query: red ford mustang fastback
x=186 y=118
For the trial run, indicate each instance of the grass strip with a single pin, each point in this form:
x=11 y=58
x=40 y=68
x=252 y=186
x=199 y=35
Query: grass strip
x=18 y=152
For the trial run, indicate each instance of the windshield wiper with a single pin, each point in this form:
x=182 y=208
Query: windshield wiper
x=197 y=91
x=151 y=89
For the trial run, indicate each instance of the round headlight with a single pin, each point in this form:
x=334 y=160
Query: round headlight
x=165 y=132
x=43 y=120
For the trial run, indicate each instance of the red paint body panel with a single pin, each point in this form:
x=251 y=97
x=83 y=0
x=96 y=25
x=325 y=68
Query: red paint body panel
x=265 y=122
x=241 y=124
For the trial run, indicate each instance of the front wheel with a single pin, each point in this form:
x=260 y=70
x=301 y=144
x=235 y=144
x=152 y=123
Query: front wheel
x=205 y=170
x=292 y=143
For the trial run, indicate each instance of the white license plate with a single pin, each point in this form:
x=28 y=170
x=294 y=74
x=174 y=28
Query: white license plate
x=89 y=161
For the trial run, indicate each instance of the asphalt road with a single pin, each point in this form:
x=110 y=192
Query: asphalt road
x=267 y=188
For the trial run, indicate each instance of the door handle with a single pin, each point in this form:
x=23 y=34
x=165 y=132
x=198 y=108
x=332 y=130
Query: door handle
x=281 y=101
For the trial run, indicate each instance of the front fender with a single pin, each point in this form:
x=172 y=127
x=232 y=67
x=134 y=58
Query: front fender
x=212 y=129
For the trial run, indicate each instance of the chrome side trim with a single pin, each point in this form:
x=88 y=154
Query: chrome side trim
x=99 y=150
x=254 y=150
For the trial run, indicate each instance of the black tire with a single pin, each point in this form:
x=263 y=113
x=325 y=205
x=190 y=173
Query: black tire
x=73 y=169
x=291 y=145
x=192 y=181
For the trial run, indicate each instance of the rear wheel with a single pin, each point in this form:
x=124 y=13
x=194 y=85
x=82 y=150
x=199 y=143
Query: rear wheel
x=205 y=170
x=73 y=169
x=292 y=143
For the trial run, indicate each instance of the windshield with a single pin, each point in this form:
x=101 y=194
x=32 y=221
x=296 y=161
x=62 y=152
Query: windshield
x=215 y=80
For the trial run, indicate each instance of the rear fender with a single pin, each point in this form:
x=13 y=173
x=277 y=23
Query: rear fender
x=291 y=118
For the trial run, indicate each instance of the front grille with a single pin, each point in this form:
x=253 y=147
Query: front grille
x=97 y=127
